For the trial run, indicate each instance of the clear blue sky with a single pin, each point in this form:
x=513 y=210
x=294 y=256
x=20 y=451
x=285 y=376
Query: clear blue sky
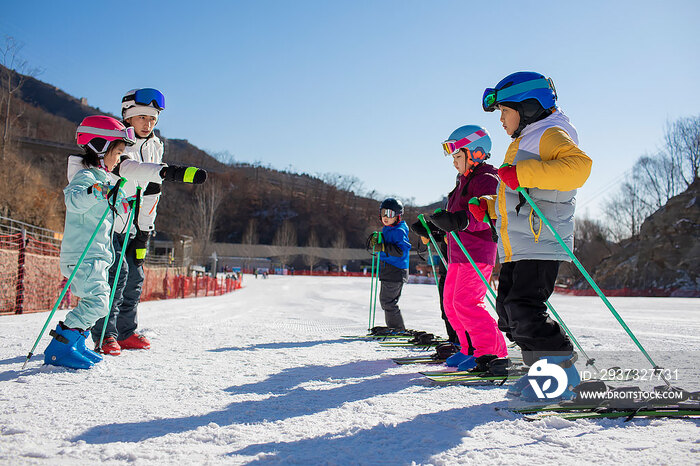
x=371 y=88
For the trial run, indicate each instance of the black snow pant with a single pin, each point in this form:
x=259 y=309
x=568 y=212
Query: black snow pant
x=451 y=334
x=122 y=321
x=389 y=295
x=523 y=288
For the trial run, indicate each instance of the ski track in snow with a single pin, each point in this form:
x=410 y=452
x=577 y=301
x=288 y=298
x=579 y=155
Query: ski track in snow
x=262 y=376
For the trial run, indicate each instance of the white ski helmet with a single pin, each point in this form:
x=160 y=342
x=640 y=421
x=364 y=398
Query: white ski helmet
x=145 y=101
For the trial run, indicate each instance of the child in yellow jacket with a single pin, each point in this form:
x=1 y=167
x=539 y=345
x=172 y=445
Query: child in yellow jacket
x=544 y=158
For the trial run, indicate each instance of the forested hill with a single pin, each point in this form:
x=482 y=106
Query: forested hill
x=256 y=200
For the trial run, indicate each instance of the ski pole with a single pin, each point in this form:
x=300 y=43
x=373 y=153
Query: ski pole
x=119 y=266
x=590 y=280
x=70 y=279
x=432 y=266
x=421 y=218
x=376 y=281
x=589 y=361
x=371 y=293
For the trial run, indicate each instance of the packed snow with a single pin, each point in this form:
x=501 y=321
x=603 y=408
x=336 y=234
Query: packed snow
x=262 y=376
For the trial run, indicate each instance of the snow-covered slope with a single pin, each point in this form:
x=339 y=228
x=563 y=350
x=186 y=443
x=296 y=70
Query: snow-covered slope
x=262 y=376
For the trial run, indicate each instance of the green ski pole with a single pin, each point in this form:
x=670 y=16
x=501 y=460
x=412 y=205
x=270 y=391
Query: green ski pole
x=432 y=266
x=590 y=280
x=376 y=282
x=371 y=293
x=421 y=218
x=119 y=266
x=589 y=361
x=70 y=279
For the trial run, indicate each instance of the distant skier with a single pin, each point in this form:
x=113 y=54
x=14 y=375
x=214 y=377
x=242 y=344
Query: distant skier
x=545 y=159
x=470 y=147
x=393 y=249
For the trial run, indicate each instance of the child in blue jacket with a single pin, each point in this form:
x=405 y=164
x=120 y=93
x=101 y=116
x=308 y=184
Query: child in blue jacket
x=393 y=258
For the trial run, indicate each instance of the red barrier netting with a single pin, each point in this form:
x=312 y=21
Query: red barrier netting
x=630 y=292
x=31 y=280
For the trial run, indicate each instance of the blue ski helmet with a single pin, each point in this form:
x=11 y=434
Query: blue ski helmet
x=472 y=137
x=518 y=87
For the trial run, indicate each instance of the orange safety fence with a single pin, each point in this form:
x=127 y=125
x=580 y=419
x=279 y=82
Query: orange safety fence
x=31 y=280
x=630 y=292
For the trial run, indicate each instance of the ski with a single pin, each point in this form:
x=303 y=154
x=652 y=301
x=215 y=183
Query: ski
x=408 y=344
x=377 y=337
x=516 y=364
x=476 y=378
x=610 y=413
x=418 y=360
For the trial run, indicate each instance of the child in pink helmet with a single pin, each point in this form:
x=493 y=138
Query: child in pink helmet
x=463 y=295
x=92 y=199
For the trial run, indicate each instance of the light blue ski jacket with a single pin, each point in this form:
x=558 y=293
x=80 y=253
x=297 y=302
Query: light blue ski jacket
x=83 y=213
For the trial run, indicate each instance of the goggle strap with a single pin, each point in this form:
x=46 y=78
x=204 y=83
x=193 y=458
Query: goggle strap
x=465 y=141
x=539 y=83
x=124 y=134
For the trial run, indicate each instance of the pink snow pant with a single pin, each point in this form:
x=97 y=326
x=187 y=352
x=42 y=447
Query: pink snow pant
x=464 y=306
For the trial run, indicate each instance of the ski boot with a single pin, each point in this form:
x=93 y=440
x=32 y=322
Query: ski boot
x=62 y=350
x=109 y=346
x=445 y=350
x=482 y=364
x=135 y=341
x=467 y=364
x=84 y=350
x=527 y=392
x=455 y=359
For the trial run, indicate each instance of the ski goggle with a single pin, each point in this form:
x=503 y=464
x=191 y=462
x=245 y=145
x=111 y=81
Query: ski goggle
x=147 y=96
x=452 y=146
x=388 y=213
x=128 y=135
x=493 y=96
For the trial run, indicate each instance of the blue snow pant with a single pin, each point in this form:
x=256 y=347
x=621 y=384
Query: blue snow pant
x=122 y=321
x=90 y=285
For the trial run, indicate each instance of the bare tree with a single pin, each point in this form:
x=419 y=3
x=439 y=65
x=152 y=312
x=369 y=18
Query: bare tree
x=660 y=179
x=682 y=140
x=207 y=201
x=309 y=259
x=13 y=73
x=626 y=210
x=251 y=232
x=285 y=236
x=340 y=242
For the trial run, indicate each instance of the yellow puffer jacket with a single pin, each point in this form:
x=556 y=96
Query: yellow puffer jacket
x=551 y=166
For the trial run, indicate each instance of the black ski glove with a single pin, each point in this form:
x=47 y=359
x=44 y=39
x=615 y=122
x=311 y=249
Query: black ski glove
x=183 y=174
x=138 y=247
x=450 y=221
x=419 y=229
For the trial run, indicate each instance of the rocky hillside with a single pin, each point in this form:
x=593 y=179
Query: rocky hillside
x=665 y=258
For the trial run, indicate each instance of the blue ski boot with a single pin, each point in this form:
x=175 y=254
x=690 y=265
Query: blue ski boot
x=84 y=350
x=455 y=359
x=467 y=364
x=62 y=350
x=571 y=379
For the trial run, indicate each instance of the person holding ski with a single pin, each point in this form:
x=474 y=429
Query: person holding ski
x=544 y=159
x=91 y=192
x=470 y=147
x=393 y=247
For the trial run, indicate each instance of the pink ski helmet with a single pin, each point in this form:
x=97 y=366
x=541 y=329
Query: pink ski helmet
x=97 y=131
